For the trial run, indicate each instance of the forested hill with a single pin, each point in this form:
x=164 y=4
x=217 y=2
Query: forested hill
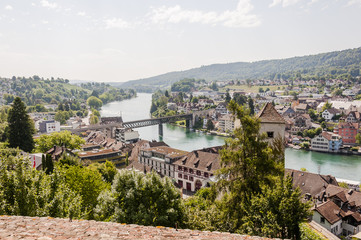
x=332 y=64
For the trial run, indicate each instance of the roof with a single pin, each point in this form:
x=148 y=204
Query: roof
x=97 y=152
x=302 y=106
x=168 y=151
x=328 y=135
x=200 y=160
x=330 y=211
x=268 y=114
x=311 y=183
x=350 y=195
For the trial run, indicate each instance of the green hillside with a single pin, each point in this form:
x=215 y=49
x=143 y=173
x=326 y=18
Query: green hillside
x=332 y=65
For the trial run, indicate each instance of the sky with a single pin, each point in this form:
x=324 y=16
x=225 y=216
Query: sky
x=121 y=40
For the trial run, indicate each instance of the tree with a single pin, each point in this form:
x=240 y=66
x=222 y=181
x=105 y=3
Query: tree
x=145 y=199
x=228 y=97
x=94 y=102
x=166 y=93
x=210 y=125
x=251 y=106
x=63 y=138
x=107 y=170
x=21 y=127
x=47 y=164
x=87 y=183
x=327 y=105
x=93 y=119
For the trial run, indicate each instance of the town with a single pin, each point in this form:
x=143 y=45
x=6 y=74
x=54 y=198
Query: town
x=305 y=115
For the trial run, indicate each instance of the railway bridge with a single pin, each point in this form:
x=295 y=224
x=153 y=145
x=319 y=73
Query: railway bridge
x=138 y=123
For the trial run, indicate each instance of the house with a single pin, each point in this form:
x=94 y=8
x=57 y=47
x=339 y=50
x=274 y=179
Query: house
x=272 y=123
x=310 y=184
x=353 y=117
x=328 y=216
x=301 y=108
x=301 y=122
x=49 y=126
x=347 y=131
x=327 y=142
x=196 y=169
x=285 y=111
x=328 y=114
x=161 y=159
x=56 y=152
x=339 y=204
x=222 y=108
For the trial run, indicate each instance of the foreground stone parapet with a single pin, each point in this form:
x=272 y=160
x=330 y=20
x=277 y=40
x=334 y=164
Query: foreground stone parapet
x=46 y=228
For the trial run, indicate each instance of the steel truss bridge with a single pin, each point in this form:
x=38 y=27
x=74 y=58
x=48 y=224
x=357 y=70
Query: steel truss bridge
x=140 y=123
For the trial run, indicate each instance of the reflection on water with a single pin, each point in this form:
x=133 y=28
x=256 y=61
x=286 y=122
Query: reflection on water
x=341 y=166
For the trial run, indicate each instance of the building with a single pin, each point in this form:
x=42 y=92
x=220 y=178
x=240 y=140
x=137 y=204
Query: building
x=353 y=117
x=226 y=123
x=196 y=169
x=328 y=114
x=328 y=216
x=347 y=131
x=222 y=108
x=160 y=159
x=102 y=155
x=339 y=211
x=327 y=142
x=49 y=126
x=310 y=184
x=126 y=135
x=272 y=123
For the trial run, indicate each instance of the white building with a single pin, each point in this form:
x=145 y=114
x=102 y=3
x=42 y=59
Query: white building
x=49 y=126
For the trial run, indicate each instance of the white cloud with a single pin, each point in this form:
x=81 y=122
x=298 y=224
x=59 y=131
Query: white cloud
x=116 y=23
x=81 y=14
x=352 y=2
x=48 y=4
x=240 y=17
x=8 y=7
x=284 y=3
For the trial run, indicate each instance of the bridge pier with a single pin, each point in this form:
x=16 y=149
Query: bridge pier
x=160 y=129
x=189 y=123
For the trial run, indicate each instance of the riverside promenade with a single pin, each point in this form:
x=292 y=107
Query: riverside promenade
x=46 y=228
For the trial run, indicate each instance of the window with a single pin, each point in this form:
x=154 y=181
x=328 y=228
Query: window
x=322 y=220
x=185 y=169
x=179 y=168
x=185 y=177
x=179 y=175
x=191 y=178
x=206 y=174
x=190 y=170
x=270 y=134
x=199 y=173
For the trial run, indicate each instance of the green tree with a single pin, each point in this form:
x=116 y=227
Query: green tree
x=210 y=125
x=63 y=138
x=228 y=97
x=94 y=102
x=327 y=105
x=251 y=106
x=47 y=164
x=141 y=199
x=21 y=127
x=107 y=170
x=93 y=119
x=87 y=183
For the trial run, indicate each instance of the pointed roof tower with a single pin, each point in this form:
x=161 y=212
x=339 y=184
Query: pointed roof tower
x=269 y=114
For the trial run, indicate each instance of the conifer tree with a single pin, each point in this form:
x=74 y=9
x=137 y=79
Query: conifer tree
x=21 y=127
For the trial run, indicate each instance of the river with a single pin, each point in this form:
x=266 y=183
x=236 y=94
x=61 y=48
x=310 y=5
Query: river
x=340 y=166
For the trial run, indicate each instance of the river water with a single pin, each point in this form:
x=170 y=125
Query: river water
x=340 y=166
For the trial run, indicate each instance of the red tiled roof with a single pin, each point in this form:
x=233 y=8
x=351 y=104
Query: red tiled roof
x=330 y=211
x=269 y=114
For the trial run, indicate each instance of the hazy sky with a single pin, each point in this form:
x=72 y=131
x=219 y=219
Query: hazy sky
x=120 y=40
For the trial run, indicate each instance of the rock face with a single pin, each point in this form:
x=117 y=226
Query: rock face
x=46 y=228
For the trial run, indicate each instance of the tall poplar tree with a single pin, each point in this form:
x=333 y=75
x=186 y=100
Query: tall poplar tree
x=21 y=127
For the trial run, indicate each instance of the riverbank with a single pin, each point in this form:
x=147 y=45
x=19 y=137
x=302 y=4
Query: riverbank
x=342 y=152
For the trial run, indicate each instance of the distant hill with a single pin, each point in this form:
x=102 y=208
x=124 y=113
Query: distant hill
x=332 y=63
